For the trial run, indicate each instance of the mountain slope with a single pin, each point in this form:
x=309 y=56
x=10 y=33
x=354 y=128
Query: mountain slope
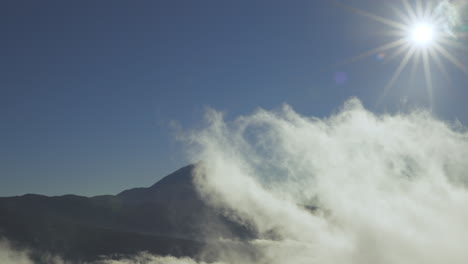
x=167 y=218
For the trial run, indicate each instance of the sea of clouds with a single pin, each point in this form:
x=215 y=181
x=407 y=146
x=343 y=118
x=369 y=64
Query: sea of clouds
x=355 y=187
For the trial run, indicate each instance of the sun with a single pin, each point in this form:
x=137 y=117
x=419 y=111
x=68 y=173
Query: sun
x=422 y=35
x=425 y=33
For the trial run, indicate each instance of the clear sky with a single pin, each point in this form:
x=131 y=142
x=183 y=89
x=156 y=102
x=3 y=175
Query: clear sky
x=88 y=88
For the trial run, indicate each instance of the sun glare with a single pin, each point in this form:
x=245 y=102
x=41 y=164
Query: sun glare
x=422 y=34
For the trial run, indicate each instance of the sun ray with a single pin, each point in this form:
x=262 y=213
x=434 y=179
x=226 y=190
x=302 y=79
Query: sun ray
x=397 y=73
x=415 y=64
x=400 y=68
x=427 y=76
x=393 y=33
x=400 y=14
x=396 y=53
x=454 y=44
x=371 y=52
x=409 y=10
x=428 y=9
x=419 y=8
x=435 y=55
x=451 y=58
x=377 y=18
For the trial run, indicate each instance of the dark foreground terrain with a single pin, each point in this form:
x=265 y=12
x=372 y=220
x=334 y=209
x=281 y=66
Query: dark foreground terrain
x=167 y=218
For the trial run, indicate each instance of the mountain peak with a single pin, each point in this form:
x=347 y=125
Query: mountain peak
x=177 y=184
x=181 y=176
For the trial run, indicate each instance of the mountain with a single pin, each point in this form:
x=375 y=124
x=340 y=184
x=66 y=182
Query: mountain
x=168 y=218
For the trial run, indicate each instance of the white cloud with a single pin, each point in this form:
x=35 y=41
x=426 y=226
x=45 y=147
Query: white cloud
x=391 y=188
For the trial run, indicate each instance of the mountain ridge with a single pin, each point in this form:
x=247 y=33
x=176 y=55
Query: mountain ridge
x=167 y=218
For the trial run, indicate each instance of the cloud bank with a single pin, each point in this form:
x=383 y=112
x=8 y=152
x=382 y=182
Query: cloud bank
x=388 y=188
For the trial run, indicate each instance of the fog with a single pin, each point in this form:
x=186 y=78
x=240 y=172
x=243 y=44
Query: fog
x=354 y=187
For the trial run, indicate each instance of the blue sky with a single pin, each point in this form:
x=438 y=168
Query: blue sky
x=88 y=88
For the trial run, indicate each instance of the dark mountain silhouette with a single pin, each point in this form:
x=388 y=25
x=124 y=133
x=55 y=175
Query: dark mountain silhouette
x=167 y=218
